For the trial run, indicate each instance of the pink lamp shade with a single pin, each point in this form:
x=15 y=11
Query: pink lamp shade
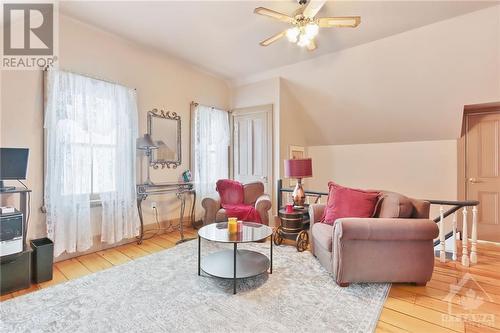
x=298 y=168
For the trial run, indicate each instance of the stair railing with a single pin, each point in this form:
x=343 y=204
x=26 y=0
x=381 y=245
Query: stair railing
x=466 y=259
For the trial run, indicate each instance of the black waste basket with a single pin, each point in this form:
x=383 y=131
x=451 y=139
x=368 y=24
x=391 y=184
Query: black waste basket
x=42 y=260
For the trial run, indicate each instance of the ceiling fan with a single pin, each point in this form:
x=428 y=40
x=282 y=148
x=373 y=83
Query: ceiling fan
x=305 y=24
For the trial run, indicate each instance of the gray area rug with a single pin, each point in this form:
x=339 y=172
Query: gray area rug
x=163 y=293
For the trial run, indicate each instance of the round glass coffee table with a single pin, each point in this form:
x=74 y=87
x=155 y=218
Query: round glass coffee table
x=235 y=264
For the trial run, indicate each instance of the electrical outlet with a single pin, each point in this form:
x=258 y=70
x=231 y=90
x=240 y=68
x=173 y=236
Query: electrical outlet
x=153 y=205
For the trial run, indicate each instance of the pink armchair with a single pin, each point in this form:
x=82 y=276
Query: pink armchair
x=253 y=195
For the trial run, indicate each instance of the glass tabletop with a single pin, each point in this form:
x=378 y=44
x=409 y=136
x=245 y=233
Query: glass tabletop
x=250 y=232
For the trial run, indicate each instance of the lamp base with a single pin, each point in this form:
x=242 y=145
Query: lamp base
x=298 y=194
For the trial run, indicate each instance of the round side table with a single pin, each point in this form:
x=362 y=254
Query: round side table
x=293 y=226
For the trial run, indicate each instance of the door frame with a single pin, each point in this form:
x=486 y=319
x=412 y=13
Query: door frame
x=461 y=143
x=268 y=108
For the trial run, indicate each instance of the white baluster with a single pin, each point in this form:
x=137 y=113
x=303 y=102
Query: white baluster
x=465 y=257
x=454 y=230
x=442 y=247
x=473 y=248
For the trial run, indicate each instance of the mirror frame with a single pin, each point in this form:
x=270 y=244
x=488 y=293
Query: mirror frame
x=168 y=115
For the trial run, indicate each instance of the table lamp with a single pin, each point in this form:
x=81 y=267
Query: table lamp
x=298 y=169
x=146 y=144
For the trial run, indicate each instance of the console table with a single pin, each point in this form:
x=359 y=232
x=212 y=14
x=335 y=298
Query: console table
x=180 y=189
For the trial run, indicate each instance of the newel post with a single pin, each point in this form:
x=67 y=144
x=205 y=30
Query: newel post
x=465 y=257
x=442 y=248
x=473 y=249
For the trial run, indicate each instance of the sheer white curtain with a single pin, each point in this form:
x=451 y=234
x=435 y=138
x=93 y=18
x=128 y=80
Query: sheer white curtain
x=211 y=143
x=91 y=128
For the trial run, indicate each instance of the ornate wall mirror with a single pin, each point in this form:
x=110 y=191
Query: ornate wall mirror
x=165 y=130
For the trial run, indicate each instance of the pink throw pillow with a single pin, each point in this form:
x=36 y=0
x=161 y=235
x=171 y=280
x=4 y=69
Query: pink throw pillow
x=231 y=192
x=348 y=202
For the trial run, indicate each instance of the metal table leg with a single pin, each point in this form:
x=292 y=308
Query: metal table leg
x=199 y=255
x=271 y=256
x=234 y=262
x=141 y=228
x=182 y=197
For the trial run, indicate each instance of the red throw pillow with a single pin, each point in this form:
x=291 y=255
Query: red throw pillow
x=348 y=202
x=230 y=191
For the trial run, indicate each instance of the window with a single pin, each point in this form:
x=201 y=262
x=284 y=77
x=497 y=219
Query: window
x=211 y=144
x=91 y=132
x=93 y=148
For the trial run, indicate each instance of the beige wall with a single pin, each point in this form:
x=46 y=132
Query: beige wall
x=161 y=82
x=423 y=169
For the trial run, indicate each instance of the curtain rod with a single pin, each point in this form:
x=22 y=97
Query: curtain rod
x=195 y=104
x=46 y=69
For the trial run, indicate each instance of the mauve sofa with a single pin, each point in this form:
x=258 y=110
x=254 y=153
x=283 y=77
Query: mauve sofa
x=396 y=245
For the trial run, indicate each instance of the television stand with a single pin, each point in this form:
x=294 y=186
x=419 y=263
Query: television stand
x=6 y=188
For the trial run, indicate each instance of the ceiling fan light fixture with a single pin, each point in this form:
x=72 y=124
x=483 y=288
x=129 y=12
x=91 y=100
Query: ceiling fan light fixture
x=304 y=40
x=293 y=34
x=311 y=30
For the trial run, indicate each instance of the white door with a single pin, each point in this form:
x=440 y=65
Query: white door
x=252 y=145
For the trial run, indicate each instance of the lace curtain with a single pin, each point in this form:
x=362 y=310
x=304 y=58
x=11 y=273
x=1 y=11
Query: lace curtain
x=211 y=144
x=91 y=128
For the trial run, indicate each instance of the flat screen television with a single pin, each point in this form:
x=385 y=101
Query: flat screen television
x=13 y=164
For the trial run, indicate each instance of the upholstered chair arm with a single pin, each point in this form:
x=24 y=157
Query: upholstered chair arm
x=211 y=207
x=385 y=229
x=262 y=206
x=316 y=213
x=383 y=250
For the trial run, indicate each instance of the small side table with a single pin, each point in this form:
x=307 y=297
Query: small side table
x=293 y=226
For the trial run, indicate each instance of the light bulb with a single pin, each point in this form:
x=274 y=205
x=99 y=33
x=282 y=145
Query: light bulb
x=304 y=40
x=311 y=30
x=292 y=34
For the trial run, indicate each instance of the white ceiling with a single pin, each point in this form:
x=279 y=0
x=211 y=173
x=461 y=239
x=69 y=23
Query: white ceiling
x=222 y=36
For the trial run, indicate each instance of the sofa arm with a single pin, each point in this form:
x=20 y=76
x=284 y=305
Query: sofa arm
x=385 y=229
x=316 y=213
x=262 y=206
x=211 y=207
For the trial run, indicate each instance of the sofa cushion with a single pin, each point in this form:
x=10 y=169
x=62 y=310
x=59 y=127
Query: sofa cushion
x=348 y=202
x=393 y=205
x=322 y=235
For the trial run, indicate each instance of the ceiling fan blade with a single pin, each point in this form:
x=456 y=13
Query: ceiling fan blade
x=272 y=39
x=347 y=21
x=311 y=46
x=313 y=7
x=273 y=14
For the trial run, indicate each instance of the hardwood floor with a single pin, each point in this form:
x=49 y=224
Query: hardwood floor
x=412 y=308
x=408 y=308
x=94 y=262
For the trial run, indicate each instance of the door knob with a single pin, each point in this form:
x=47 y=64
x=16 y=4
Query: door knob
x=474 y=180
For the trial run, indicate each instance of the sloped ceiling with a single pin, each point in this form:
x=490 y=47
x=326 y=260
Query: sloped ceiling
x=408 y=87
x=222 y=36
x=404 y=75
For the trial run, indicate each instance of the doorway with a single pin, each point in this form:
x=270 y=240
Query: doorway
x=479 y=168
x=252 y=138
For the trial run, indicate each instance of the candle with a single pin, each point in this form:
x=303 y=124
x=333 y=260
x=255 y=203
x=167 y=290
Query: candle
x=232 y=225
